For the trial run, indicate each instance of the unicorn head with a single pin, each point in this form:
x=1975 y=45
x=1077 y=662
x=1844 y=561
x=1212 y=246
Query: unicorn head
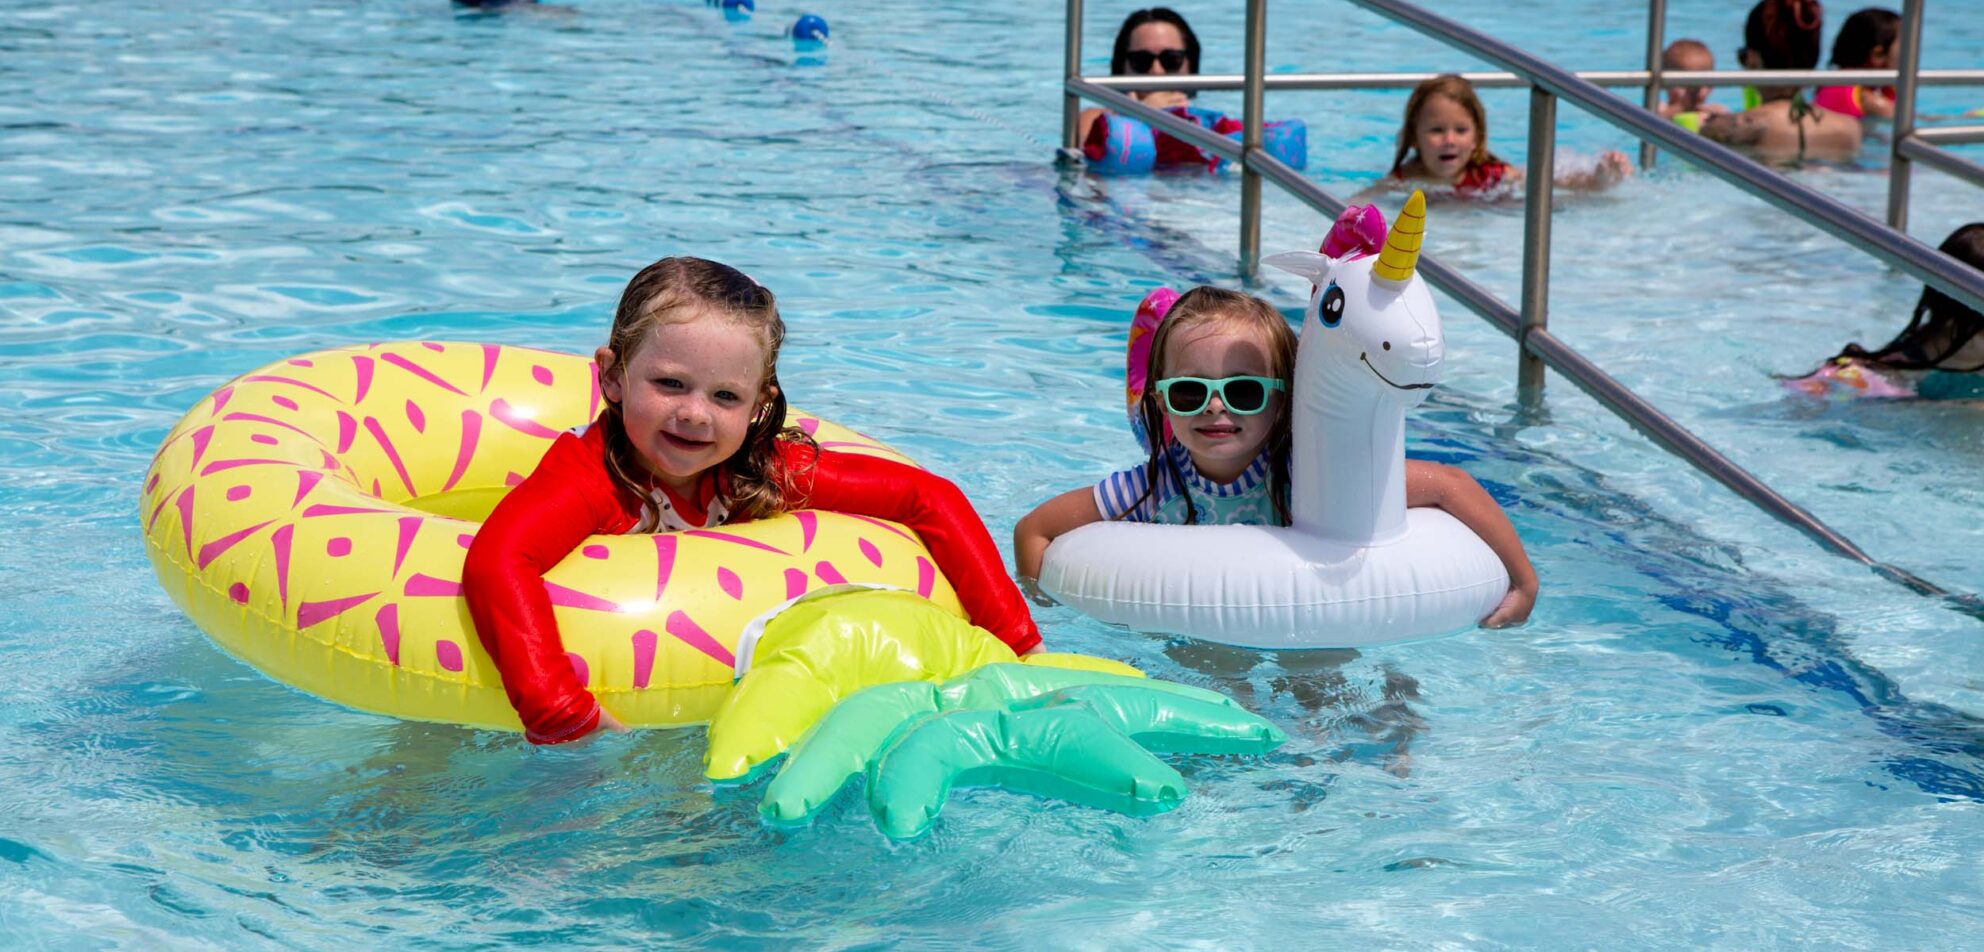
x=1372 y=334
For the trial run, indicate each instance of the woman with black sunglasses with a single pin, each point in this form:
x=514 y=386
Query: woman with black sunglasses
x=1152 y=42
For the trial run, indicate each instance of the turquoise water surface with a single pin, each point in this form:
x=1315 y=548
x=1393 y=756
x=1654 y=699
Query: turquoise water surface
x=1711 y=733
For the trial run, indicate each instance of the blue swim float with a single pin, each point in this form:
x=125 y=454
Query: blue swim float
x=809 y=28
x=1121 y=145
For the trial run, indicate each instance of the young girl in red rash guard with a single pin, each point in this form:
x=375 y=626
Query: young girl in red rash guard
x=1444 y=141
x=693 y=436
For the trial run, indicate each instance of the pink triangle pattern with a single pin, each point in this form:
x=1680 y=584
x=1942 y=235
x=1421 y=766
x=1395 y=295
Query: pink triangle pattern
x=689 y=633
x=490 y=352
x=388 y=620
x=421 y=372
x=664 y=552
x=510 y=417
x=471 y=436
x=409 y=528
x=291 y=381
x=213 y=550
x=573 y=598
x=644 y=646
x=427 y=586
x=309 y=614
x=362 y=366
x=279 y=541
x=392 y=453
x=734 y=540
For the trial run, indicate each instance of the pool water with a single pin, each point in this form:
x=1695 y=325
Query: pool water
x=1711 y=733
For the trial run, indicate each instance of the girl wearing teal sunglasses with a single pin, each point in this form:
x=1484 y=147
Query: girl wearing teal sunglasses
x=1216 y=418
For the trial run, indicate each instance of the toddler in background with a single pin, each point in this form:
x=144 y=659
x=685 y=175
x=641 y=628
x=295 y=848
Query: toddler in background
x=1686 y=105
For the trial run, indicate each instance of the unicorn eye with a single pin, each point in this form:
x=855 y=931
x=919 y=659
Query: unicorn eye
x=1331 y=309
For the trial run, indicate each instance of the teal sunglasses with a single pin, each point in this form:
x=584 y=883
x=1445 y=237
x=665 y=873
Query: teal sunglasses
x=1243 y=396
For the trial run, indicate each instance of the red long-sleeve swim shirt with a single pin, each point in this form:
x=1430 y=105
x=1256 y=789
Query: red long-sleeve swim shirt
x=571 y=496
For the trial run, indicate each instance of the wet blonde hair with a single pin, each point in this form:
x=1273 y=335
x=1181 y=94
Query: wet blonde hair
x=680 y=290
x=1460 y=91
x=1235 y=313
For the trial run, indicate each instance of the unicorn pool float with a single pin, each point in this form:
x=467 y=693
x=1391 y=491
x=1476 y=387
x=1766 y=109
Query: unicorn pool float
x=1356 y=567
x=312 y=517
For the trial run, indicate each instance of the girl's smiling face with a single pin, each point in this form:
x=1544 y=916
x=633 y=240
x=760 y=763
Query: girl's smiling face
x=1444 y=134
x=1222 y=444
x=687 y=395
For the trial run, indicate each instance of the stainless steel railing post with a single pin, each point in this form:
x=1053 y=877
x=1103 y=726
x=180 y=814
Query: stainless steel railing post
x=1252 y=103
x=1656 y=42
x=1536 y=239
x=1899 y=167
x=1071 y=104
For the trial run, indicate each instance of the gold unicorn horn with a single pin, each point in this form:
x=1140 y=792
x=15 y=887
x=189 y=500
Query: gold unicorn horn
x=1402 y=242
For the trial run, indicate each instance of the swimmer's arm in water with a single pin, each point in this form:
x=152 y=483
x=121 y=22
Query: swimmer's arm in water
x=1613 y=167
x=1452 y=489
x=1049 y=521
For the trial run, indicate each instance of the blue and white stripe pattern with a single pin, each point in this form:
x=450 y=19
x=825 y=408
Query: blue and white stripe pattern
x=1243 y=501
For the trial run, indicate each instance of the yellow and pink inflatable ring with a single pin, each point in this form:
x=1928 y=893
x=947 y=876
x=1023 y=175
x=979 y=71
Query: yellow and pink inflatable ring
x=311 y=517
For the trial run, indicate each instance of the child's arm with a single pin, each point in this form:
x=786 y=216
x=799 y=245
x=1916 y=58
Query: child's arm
x=939 y=513
x=1875 y=104
x=531 y=530
x=1049 y=521
x=1451 y=489
x=1613 y=167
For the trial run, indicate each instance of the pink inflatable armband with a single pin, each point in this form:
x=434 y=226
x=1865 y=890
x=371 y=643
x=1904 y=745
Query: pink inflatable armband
x=1143 y=330
x=1843 y=99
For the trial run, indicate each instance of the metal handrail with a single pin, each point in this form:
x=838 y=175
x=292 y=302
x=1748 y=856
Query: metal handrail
x=1952 y=277
x=1916 y=148
x=1496 y=79
x=1952 y=134
x=1598 y=384
x=1538 y=347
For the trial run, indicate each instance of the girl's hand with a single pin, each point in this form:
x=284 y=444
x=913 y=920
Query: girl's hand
x=1515 y=606
x=1164 y=98
x=1030 y=587
x=608 y=724
x=1036 y=649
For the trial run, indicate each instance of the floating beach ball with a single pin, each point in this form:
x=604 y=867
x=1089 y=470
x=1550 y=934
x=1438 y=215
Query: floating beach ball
x=809 y=28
